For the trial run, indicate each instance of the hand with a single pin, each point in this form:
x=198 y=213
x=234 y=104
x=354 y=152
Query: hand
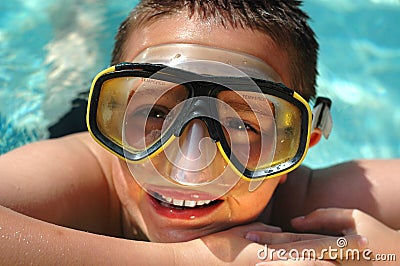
x=383 y=241
x=228 y=247
x=298 y=263
x=236 y=246
x=303 y=249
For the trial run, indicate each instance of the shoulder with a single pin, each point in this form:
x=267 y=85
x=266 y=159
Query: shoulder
x=368 y=185
x=89 y=147
x=66 y=181
x=74 y=158
x=81 y=149
x=307 y=189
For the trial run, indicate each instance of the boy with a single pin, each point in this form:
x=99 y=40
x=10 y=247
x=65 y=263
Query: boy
x=73 y=182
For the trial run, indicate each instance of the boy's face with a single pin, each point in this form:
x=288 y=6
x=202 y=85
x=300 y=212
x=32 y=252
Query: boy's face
x=165 y=223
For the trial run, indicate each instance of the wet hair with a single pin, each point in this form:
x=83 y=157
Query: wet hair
x=282 y=20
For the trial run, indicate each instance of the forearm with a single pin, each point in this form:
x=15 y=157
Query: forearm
x=24 y=240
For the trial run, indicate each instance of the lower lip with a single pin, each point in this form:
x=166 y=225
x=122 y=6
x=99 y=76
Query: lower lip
x=184 y=214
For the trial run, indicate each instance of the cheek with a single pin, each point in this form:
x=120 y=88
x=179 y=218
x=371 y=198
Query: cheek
x=128 y=191
x=246 y=206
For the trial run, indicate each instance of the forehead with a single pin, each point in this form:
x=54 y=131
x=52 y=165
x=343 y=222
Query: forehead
x=181 y=29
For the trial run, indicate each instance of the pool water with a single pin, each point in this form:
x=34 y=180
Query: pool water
x=360 y=71
x=50 y=51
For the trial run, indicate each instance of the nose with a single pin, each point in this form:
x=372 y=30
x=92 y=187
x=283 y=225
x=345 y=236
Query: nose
x=193 y=155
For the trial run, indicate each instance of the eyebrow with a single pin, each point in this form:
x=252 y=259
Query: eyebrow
x=141 y=93
x=247 y=108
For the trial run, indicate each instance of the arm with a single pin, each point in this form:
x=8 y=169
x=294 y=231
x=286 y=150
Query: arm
x=61 y=181
x=382 y=240
x=364 y=240
x=368 y=185
x=28 y=241
x=48 y=186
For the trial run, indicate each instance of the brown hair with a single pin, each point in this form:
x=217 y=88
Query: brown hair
x=282 y=20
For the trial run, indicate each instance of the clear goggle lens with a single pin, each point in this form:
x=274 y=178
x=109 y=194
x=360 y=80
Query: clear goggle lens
x=192 y=122
x=247 y=118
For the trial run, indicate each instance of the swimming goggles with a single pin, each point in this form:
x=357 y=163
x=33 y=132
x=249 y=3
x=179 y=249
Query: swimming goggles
x=260 y=127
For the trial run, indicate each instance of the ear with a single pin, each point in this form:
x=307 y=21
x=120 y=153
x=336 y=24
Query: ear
x=282 y=179
x=315 y=137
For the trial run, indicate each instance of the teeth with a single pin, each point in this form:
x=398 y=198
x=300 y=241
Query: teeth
x=181 y=203
x=177 y=202
x=168 y=199
x=190 y=203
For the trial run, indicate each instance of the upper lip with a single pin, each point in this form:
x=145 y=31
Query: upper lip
x=188 y=198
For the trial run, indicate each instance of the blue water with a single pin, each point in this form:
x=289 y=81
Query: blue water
x=51 y=50
x=360 y=72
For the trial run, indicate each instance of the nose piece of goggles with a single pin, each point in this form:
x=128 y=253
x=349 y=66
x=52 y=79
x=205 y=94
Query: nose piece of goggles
x=175 y=128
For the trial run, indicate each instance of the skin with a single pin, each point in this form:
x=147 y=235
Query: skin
x=347 y=223
x=238 y=204
x=179 y=29
x=50 y=188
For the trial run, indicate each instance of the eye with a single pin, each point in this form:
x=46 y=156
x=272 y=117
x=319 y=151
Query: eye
x=157 y=113
x=151 y=112
x=240 y=125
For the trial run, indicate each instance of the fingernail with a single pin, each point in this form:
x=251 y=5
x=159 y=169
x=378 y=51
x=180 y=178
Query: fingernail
x=363 y=242
x=349 y=231
x=252 y=237
x=298 y=219
x=274 y=229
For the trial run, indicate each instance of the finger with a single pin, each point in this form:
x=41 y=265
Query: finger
x=328 y=248
x=299 y=263
x=279 y=238
x=332 y=221
x=255 y=227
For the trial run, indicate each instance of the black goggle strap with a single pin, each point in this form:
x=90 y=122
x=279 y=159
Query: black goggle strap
x=322 y=118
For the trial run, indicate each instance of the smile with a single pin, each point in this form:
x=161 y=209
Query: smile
x=168 y=201
x=186 y=205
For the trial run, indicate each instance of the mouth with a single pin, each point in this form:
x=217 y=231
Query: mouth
x=182 y=205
